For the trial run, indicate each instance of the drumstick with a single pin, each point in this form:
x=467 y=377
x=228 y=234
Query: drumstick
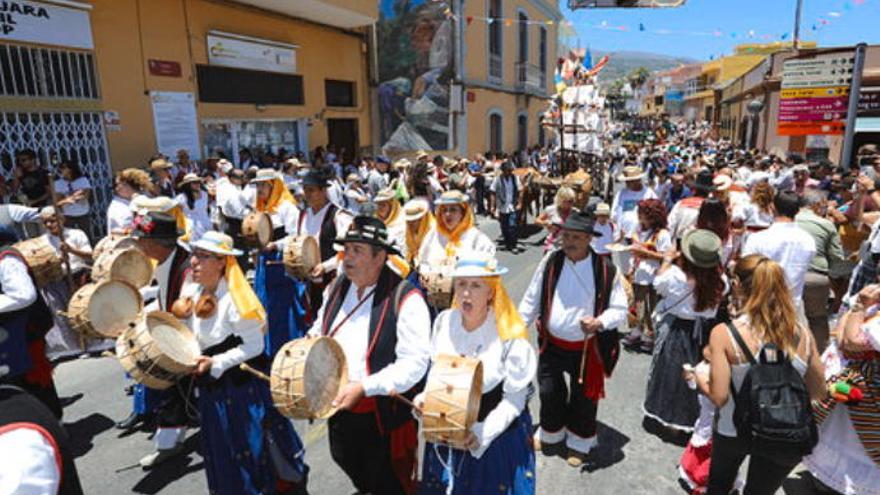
x=583 y=361
x=257 y=373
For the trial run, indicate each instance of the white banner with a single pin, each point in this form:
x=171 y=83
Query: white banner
x=242 y=52
x=45 y=23
x=176 y=123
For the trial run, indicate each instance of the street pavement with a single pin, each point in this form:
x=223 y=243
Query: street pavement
x=628 y=460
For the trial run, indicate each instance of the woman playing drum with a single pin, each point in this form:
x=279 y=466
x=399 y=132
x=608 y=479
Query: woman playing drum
x=484 y=324
x=249 y=448
x=454 y=231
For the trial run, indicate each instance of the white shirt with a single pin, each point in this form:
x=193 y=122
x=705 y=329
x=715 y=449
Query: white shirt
x=645 y=268
x=22 y=214
x=18 y=288
x=512 y=362
x=433 y=249
x=66 y=188
x=119 y=215
x=31 y=462
x=624 y=209
x=678 y=294
x=76 y=239
x=229 y=198
x=600 y=242
x=225 y=322
x=573 y=299
x=790 y=246
x=752 y=216
x=683 y=217
x=198 y=214
x=413 y=341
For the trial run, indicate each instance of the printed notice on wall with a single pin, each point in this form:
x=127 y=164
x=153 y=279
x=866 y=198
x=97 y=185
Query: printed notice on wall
x=176 y=124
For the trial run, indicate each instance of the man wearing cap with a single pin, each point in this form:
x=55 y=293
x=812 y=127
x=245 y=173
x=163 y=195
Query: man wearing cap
x=156 y=235
x=380 y=321
x=624 y=208
x=577 y=302
x=683 y=216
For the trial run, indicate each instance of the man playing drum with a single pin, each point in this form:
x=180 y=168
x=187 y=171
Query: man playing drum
x=379 y=320
x=577 y=303
x=156 y=235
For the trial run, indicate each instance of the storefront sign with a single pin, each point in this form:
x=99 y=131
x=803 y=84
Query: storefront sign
x=869 y=103
x=167 y=68
x=244 y=52
x=175 y=123
x=49 y=24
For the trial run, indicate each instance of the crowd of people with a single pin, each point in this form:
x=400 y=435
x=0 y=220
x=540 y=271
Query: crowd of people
x=749 y=278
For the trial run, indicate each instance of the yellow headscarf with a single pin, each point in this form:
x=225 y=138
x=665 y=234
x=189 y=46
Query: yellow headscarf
x=183 y=224
x=454 y=235
x=394 y=214
x=278 y=195
x=508 y=322
x=246 y=302
x=414 y=239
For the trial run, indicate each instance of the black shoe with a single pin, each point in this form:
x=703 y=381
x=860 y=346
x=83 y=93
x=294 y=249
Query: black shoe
x=131 y=422
x=129 y=390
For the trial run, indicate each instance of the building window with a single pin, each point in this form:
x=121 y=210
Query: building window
x=523 y=38
x=227 y=85
x=32 y=72
x=522 y=132
x=542 y=54
x=495 y=133
x=542 y=139
x=495 y=42
x=339 y=93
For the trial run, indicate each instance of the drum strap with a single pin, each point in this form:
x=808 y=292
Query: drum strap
x=352 y=312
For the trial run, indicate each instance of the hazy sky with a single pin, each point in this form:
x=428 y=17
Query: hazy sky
x=702 y=28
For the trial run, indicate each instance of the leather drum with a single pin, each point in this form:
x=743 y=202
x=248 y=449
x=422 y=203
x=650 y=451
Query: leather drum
x=452 y=399
x=129 y=265
x=301 y=256
x=42 y=259
x=103 y=310
x=111 y=242
x=438 y=285
x=256 y=229
x=306 y=376
x=158 y=350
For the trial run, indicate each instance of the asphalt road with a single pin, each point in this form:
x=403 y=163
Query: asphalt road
x=628 y=460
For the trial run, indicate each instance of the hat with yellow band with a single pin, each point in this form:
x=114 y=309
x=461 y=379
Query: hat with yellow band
x=217 y=243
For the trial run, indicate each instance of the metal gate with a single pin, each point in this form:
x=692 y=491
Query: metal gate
x=57 y=136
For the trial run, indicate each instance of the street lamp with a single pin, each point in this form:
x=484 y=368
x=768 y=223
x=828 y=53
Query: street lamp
x=755 y=106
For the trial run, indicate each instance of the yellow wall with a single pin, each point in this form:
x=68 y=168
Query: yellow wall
x=510 y=106
x=129 y=32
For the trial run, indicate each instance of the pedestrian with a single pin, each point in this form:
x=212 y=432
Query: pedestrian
x=554 y=216
x=163 y=180
x=507 y=193
x=608 y=233
x=626 y=201
x=73 y=191
x=128 y=183
x=30 y=181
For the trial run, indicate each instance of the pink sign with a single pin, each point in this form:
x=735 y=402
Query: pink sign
x=811 y=117
x=814 y=104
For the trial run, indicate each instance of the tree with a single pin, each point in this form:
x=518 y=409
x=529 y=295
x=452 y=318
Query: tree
x=638 y=76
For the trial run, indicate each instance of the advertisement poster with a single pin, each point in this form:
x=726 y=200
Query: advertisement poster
x=175 y=122
x=415 y=70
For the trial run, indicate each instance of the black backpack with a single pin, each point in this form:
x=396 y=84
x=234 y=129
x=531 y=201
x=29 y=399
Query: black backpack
x=772 y=408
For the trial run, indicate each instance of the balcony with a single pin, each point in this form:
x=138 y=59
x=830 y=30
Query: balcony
x=346 y=14
x=530 y=78
x=495 y=72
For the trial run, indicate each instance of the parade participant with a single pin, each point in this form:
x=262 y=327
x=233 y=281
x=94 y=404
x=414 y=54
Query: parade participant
x=683 y=216
x=485 y=324
x=325 y=221
x=280 y=295
x=24 y=320
x=577 y=302
x=454 y=231
x=194 y=201
x=846 y=458
x=648 y=245
x=691 y=286
x=419 y=221
x=73 y=248
x=606 y=229
x=355 y=195
x=73 y=190
x=128 y=183
x=36 y=451
x=229 y=201
x=156 y=235
x=163 y=184
x=247 y=445
x=389 y=211
x=379 y=320
x=554 y=216
x=760 y=280
x=624 y=206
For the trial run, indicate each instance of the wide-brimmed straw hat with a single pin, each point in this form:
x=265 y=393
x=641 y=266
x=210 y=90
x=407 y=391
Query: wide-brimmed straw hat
x=189 y=179
x=602 y=209
x=454 y=197
x=415 y=209
x=631 y=173
x=217 y=243
x=386 y=194
x=160 y=164
x=702 y=248
x=264 y=175
x=477 y=264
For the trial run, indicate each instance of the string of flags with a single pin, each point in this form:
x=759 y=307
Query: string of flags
x=568 y=26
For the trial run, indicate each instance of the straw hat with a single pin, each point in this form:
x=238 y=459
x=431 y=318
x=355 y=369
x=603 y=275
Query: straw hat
x=386 y=194
x=477 y=264
x=217 y=243
x=602 y=209
x=702 y=248
x=189 y=179
x=722 y=182
x=402 y=164
x=265 y=174
x=631 y=173
x=454 y=197
x=160 y=164
x=415 y=209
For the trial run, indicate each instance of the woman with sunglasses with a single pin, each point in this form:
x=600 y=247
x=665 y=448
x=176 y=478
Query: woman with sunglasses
x=248 y=447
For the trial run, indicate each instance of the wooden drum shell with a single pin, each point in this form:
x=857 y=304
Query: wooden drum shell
x=256 y=229
x=301 y=255
x=42 y=259
x=452 y=399
x=82 y=303
x=300 y=369
x=146 y=354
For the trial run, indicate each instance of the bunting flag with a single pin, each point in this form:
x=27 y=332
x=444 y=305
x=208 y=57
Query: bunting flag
x=599 y=66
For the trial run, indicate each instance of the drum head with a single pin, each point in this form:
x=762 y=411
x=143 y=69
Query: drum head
x=325 y=372
x=311 y=254
x=113 y=306
x=264 y=229
x=173 y=338
x=131 y=265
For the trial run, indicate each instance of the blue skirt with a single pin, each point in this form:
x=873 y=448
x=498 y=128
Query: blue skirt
x=284 y=299
x=146 y=400
x=507 y=466
x=245 y=441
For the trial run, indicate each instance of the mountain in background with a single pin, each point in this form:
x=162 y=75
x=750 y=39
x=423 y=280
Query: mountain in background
x=622 y=63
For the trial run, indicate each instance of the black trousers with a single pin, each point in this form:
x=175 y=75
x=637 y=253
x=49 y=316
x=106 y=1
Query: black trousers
x=360 y=449
x=563 y=404
x=233 y=228
x=765 y=476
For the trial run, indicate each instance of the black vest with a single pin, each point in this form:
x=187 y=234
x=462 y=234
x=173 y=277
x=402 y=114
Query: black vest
x=179 y=270
x=391 y=290
x=16 y=406
x=328 y=234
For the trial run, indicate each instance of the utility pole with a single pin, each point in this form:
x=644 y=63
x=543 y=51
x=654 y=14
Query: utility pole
x=797 y=24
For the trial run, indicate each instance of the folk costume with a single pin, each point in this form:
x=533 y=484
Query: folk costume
x=382 y=331
x=560 y=294
x=247 y=445
x=441 y=245
x=24 y=321
x=504 y=461
x=195 y=209
x=280 y=295
x=417 y=210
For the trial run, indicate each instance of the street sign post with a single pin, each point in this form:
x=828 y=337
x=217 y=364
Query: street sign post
x=815 y=94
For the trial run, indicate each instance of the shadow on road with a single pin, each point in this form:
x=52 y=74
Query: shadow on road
x=608 y=451
x=84 y=430
x=172 y=470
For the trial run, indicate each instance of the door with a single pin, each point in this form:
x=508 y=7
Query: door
x=343 y=135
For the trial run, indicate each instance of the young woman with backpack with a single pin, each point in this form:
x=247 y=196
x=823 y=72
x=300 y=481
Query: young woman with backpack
x=767 y=320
